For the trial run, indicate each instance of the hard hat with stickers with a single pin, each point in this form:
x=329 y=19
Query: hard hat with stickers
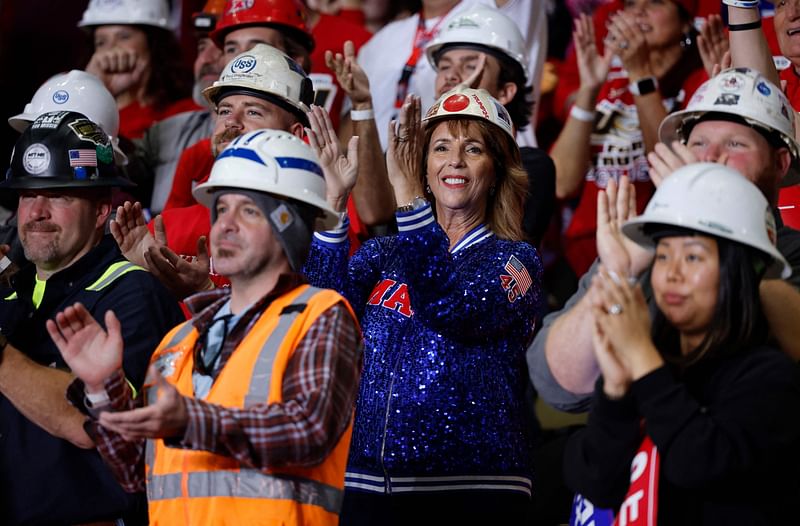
x=481 y=27
x=63 y=149
x=265 y=72
x=126 y=12
x=75 y=91
x=271 y=161
x=713 y=199
x=744 y=94
x=467 y=102
x=283 y=15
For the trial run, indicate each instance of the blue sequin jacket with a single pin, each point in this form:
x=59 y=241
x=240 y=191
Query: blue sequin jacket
x=441 y=401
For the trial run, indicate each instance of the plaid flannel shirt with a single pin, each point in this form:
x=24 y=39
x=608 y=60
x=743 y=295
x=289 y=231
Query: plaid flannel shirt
x=319 y=390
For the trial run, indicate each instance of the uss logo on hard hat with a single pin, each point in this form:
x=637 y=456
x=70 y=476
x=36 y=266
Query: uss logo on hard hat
x=243 y=64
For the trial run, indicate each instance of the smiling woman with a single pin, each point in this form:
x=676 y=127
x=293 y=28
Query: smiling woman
x=691 y=422
x=446 y=308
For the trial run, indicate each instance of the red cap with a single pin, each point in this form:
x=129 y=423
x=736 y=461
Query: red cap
x=284 y=15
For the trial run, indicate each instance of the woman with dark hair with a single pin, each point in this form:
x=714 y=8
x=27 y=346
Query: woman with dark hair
x=649 y=67
x=694 y=420
x=447 y=307
x=139 y=60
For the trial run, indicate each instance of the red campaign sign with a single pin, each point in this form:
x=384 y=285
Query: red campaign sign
x=640 y=507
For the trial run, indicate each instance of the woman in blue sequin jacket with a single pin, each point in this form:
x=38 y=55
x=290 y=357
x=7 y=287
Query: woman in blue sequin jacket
x=447 y=307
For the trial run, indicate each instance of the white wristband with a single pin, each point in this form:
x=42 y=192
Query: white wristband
x=362 y=115
x=744 y=4
x=581 y=114
x=97 y=399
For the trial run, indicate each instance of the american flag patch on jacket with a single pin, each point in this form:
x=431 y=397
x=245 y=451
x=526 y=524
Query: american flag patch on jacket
x=520 y=274
x=82 y=158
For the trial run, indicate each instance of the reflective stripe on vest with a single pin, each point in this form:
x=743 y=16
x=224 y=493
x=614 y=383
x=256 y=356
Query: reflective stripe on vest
x=262 y=370
x=246 y=483
x=113 y=272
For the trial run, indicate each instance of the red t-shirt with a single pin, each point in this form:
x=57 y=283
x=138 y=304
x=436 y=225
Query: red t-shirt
x=134 y=119
x=194 y=167
x=789 y=206
x=617 y=148
x=330 y=33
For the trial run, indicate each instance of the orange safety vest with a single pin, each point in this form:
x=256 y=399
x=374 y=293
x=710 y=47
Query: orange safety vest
x=197 y=487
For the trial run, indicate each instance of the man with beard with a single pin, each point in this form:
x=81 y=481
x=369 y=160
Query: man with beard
x=260 y=88
x=157 y=153
x=247 y=412
x=63 y=171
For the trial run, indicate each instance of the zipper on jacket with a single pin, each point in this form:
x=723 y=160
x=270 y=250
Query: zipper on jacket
x=387 y=480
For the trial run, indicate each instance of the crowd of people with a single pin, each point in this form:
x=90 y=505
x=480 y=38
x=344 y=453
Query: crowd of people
x=323 y=283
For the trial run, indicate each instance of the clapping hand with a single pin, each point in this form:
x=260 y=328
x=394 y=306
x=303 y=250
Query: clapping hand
x=349 y=75
x=621 y=257
x=166 y=416
x=341 y=171
x=90 y=352
x=404 y=156
x=621 y=330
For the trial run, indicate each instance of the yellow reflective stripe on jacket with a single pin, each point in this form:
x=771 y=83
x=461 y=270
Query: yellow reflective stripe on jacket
x=248 y=484
x=11 y=296
x=114 y=271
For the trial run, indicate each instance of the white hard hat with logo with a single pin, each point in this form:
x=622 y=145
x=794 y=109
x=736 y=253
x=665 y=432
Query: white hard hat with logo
x=744 y=94
x=472 y=103
x=268 y=71
x=74 y=91
x=712 y=199
x=481 y=26
x=126 y=12
x=271 y=161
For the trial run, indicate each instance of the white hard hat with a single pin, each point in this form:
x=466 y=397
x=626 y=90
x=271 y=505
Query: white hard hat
x=713 y=199
x=74 y=91
x=485 y=27
x=126 y=12
x=271 y=161
x=742 y=93
x=265 y=70
x=469 y=102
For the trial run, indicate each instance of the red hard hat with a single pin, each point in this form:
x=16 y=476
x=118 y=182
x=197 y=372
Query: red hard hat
x=284 y=15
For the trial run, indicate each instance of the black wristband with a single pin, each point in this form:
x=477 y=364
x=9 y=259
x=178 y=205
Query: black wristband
x=745 y=27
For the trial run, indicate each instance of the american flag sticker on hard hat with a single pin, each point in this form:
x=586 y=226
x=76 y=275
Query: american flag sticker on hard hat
x=82 y=157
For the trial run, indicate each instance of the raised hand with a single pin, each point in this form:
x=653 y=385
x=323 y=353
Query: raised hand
x=129 y=229
x=166 y=416
x=404 y=156
x=628 y=42
x=621 y=315
x=182 y=277
x=592 y=68
x=119 y=68
x=616 y=378
x=341 y=171
x=665 y=159
x=712 y=43
x=620 y=256
x=349 y=74
x=91 y=353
